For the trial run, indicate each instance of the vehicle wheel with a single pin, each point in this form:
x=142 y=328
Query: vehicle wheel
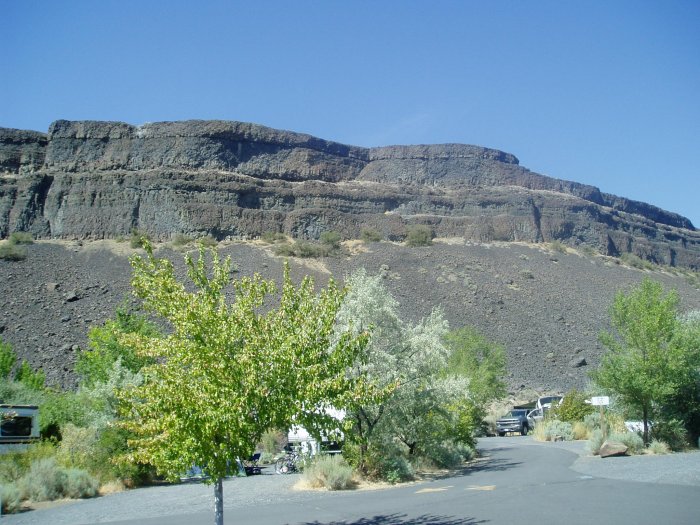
x=501 y=434
x=525 y=430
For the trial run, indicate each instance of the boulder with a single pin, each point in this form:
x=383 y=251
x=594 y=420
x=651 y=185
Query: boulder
x=612 y=448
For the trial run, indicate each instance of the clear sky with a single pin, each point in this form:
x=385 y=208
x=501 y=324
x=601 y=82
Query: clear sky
x=600 y=92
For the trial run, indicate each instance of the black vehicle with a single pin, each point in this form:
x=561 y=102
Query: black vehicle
x=514 y=421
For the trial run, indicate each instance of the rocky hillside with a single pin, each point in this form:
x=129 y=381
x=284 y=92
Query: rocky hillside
x=84 y=185
x=544 y=306
x=97 y=180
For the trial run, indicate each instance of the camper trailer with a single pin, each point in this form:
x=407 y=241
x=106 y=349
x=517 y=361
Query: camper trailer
x=19 y=426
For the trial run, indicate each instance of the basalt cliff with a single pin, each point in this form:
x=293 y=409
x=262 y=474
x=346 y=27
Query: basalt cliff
x=97 y=180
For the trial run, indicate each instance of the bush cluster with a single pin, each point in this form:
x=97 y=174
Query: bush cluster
x=14 y=249
x=572 y=408
x=419 y=235
x=331 y=472
x=370 y=235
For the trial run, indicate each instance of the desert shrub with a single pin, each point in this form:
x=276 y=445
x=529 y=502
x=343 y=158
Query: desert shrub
x=45 y=481
x=672 y=432
x=635 y=261
x=449 y=454
x=657 y=447
x=12 y=252
x=21 y=238
x=137 y=238
x=77 y=446
x=328 y=471
x=595 y=441
x=272 y=441
x=79 y=484
x=419 y=235
x=10 y=498
x=14 y=465
x=331 y=239
x=370 y=235
x=208 y=241
x=572 y=408
x=580 y=430
x=181 y=240
x=307 y=250
x=385 y=462
x=273 y=237
x=614 y=422
x=285 y=250
x=554 y=429
x=557 y=246
x=633 y=441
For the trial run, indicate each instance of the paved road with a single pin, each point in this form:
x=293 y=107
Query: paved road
x=518 y=481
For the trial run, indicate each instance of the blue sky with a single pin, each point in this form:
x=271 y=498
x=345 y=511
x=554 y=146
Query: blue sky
x=603 y=93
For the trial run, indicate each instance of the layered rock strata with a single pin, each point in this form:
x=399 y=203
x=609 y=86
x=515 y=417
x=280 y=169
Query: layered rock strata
x=94 y=180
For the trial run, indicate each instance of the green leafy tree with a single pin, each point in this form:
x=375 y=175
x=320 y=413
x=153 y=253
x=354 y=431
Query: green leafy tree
x=646 y=362
x=482 y=361
x=572 y=408
x=95 y=365
x=405 y=361
x=229 y=371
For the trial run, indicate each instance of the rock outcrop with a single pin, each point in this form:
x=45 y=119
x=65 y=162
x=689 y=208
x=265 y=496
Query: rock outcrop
x=94 y=180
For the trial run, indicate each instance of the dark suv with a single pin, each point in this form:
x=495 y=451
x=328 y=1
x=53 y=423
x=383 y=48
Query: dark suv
x=514 y=421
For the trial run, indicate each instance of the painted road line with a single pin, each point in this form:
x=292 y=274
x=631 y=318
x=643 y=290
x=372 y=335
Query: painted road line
x=481 y=487
x=436 y=489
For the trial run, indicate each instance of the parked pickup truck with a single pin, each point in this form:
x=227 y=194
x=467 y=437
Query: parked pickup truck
x=515 y=421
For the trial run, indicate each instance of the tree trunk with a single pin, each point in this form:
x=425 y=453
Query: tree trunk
x=645 y=416
x=219 y=502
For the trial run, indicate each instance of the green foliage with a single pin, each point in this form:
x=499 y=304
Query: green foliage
x=273 y=237
x=223 y=362
x=331 y=472
x=285 y=250
x=271 y=441
x=671 y=431
x=370 y=235
x=181 y=240
x=305 y=250
x=331 y=239
x=10 y=498
x=650 y=358
x=632 y=440
x=595 y=441
x=482 y=361
x=12 y=252
x=8 y=357
x=553 y=429
x=208 y=241
x=635 y=261
x=95 y=365
x=21 y=238
x=572 y=408
x=422 y=407
x=419 y=235
x=79 y=484
x=658 y=447
x=138 y=238
x=47 y=481
x=557 y=246
x=32 y=379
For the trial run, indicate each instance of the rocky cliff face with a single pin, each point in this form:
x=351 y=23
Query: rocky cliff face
x=94 y=180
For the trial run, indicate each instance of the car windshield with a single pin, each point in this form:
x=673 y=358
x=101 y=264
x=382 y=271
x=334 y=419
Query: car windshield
x=545 y=400
x=515 y=413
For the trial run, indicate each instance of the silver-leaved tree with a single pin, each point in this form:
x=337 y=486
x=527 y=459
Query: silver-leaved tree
x=230 y=369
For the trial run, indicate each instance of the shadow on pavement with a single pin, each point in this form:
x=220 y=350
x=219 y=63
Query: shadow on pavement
x=402 y=519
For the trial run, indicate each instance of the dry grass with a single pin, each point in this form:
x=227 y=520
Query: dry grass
x=111 y=487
